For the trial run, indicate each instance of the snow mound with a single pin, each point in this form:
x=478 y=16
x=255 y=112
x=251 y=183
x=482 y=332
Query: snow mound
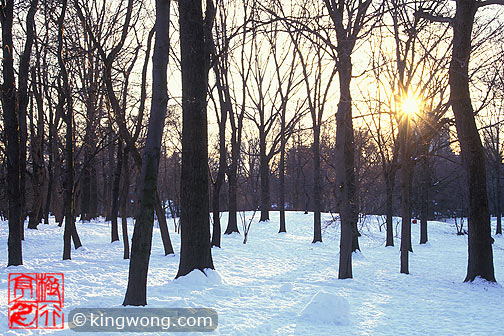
x=425 y=245
x=286 y=287
x=208 y=277
x=357 y=255
x=479 y=281
x=328 y=309
x=213 y=277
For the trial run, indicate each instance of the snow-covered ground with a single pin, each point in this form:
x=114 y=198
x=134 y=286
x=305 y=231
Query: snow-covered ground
x=282 y=284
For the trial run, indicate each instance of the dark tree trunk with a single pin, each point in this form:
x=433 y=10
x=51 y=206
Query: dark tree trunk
x=37 y=141
x=85 y=187
x=498 y=163
x=232 y=225
x=346 y=169
x=109 y=177
x=405 y=193
x=389 y=206
x=124 y=200
x=115 y=193
x=317 y=185
x=424 y=193
x=236 y=128
x=282 y=176
x=163 y=227
x=11 y=126
x=225 y=108
x=136 y=293
x=195 y=251
x=24 y=68
x=93 y=204
x=499 y=195
x=216 y=232
x=70 y=231
x=50 y=166
x=281 y=173
x=480 y=261
x=264 y=172
x=89 y=142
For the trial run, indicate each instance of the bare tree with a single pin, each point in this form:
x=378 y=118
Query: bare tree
x=136 y=293
x=349 y=19
x=11 y=124
x=480 y=261
x=195 y=250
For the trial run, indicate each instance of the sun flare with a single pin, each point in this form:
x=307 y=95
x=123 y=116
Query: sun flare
x=410 y=105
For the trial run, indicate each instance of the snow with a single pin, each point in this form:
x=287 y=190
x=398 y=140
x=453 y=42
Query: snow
x=327 y=308
x=282 y=284
x=208 y=277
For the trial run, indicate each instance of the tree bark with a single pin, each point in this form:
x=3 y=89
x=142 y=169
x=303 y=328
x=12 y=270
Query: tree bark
x=37 y=141
x=282 y=175
x=264 y=172
x=498 y=163
x=11 y=126
x=317 y=185
x=70 y=231
x=50 y=164
x=480 y=261
x=136 y=293
x=425 y=182
x=24 y=68
x=405 y=194
x=195 y=251
x=389 y=205
x=163 y=227
x=498 y=229
x=225 y=108
x=115 y=193
x=346 y=169
x=124 y=200
x=232 y=225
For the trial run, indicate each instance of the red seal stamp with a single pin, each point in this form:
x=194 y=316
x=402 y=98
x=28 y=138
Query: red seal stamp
x=36 y=300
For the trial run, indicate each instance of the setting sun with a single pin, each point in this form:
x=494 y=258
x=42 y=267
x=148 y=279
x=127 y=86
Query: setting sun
x=410 y=105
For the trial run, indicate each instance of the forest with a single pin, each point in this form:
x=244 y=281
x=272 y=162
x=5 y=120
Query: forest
x=207 y=120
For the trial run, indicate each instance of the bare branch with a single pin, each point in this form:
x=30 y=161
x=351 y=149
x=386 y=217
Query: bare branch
x=434 y=18
x=489 y=2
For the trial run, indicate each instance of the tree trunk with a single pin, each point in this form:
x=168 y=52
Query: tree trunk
x=85 y=185
x=264 y=174
x=115 y=193
x=37 y=141
x=136 y=293
x=498 y=164
x=70 y=231
x=480 y=261
x=225 y=108
x=424 y=193
x=124 y=200
x=163 y=227
x=499 y=196
x=282 y=176
x=232 y=225
x=195 y=251
x=93 y=204
x=50 y=164
x=11 y=126
x=24 y=69
x=389 y=206
x=109 y=177
x=317 y=185
x=405 y=194
x=346 y=170
x=216 y=233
